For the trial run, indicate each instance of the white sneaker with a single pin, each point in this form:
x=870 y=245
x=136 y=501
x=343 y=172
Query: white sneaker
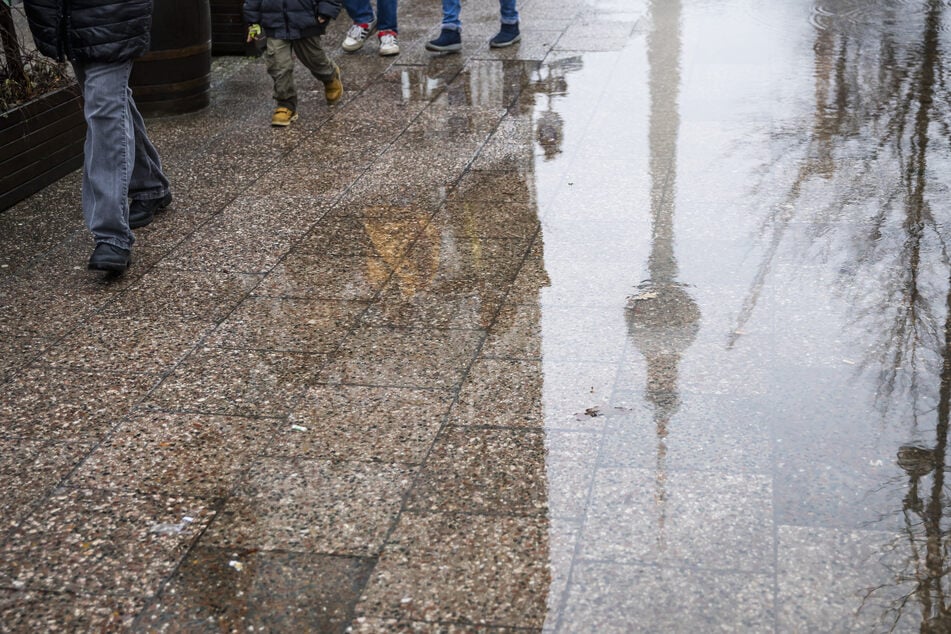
x=357 y=36
x=388 y=45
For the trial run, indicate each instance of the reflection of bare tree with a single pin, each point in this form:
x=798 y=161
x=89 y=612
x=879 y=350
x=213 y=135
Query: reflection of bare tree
x=880 y=116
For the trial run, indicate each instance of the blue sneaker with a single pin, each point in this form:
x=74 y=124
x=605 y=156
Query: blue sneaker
x=507 y=36
x=449 y=41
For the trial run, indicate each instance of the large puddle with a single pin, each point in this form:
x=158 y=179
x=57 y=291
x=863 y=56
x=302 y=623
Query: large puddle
x=745 y=224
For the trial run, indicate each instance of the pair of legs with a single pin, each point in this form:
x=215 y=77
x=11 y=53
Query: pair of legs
x=120 y=160
x=452 y=8
x=361 y=12
x=280 y=66
x=450 y=37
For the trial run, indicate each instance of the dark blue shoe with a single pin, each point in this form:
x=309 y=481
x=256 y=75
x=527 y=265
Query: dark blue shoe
x=449 y=41
x=110 y=258
x=507 y=36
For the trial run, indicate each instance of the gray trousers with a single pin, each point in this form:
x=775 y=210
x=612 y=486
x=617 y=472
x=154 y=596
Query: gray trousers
x=280 y=66
x=120 y=160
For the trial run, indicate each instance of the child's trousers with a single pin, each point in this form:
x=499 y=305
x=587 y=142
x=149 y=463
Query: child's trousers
x=280 y=66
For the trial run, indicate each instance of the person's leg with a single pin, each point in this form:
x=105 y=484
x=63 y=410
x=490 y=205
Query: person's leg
x=148 y=181
x=508 y=11
x=450 y=15
x=280 y=66
x=109 y=151
x=509 y=33
x=364 y=24
x=386 y=15
x=312 y=55
x=360 y=11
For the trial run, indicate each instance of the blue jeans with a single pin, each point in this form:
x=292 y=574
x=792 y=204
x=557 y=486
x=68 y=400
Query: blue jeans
x=361 y=12
x=120 y=161
x=452 y=8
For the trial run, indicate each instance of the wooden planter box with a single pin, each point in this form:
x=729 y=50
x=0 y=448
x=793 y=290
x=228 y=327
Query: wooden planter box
x=40 y=142
x=228 y=30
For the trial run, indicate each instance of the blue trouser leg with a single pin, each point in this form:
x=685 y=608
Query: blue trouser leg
x=109 y=150
x=508 y=11
x=450 y=15
x=386 y=10
x=360 y=11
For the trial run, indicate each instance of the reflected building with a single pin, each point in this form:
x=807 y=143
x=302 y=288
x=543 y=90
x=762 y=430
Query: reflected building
x=663 y=319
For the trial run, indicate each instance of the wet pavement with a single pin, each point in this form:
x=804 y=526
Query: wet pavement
x=640 y=325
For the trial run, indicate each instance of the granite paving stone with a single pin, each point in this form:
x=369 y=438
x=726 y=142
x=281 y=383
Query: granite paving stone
x=379 y=424
x=314 y=506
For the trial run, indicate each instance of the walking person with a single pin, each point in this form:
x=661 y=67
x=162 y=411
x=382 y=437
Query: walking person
x=365 y=23
x=450 y=36
x=294 y=27
x=100 y=38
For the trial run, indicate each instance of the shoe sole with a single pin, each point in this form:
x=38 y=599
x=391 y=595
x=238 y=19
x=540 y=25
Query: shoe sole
x=514 y=40
x=389 y=53
x=109 y=267
x=282 y=124
x=451 y=48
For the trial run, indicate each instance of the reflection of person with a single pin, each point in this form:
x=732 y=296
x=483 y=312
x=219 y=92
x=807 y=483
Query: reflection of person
x=294 y=25
x=450 y=37
x=364 y=23
x=101 y=40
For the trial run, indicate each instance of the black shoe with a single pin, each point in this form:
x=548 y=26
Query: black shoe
x=449 y=41
x=110 y=258
x=141 y=212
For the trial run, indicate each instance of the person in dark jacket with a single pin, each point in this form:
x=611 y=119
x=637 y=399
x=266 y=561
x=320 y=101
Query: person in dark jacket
x=100 y=38
x=294 y=25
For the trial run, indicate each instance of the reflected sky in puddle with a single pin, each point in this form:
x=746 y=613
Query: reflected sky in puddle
x=745 y=243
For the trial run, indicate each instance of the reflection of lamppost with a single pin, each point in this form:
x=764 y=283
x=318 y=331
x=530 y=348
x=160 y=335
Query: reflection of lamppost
x=663 y=319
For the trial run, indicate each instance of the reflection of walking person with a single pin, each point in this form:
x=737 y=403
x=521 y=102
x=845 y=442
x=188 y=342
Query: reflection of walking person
x=101 y=39
x=294 y=26
x=364 y=23
x=450 y=37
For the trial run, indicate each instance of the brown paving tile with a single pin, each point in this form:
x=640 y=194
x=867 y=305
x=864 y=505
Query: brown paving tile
x=208 y=296
x=361 y=236
x=447 y=301
x=516 y=333
x=316 y=506
x=55 y=403
x=501 y=392
x=364 y=423
x=508 y=186
x=321 y=277
x=489 y=219
x=480 y=470
x=232 y=591
x=25 y=611
x=196 y=455
x=17 y=352
x=238 y=382
x=530 y=283
x=100 y=542
x=239 y=243
x=404 y=357
x=296 y=325
x=29 y=469
x=126 y=344
x=472 y=569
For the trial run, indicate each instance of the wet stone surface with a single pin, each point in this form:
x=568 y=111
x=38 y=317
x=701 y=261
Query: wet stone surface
x=639 y=325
